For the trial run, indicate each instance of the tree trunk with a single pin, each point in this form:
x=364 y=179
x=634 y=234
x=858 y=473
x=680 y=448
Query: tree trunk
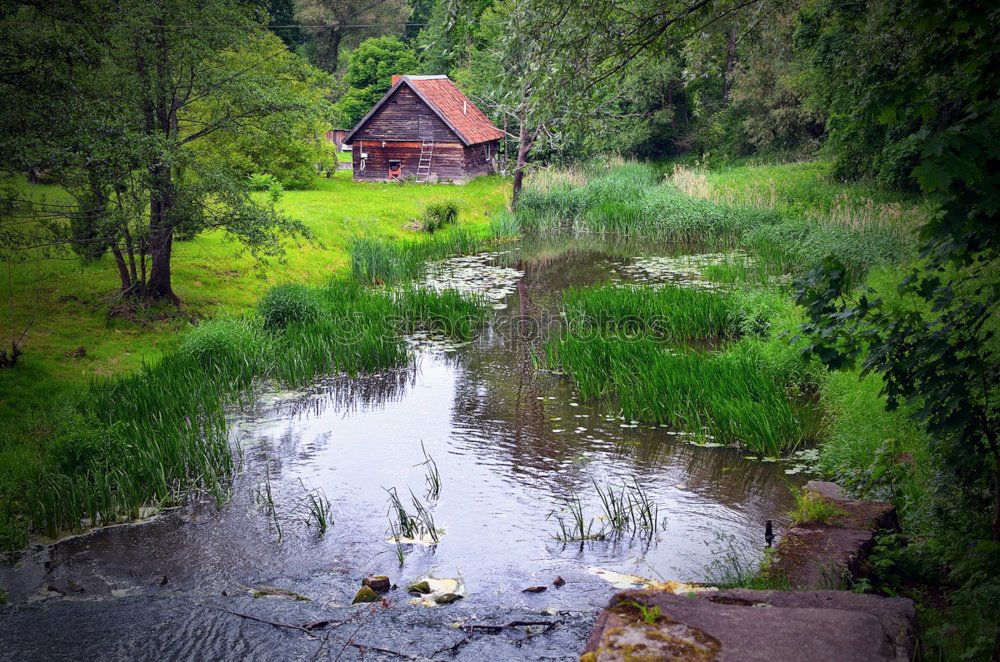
x=161 y=237
x=123 y=273
x=727 y=75
x=332 y=54
x=523 y=147
x=163 y=122
x=996 y=495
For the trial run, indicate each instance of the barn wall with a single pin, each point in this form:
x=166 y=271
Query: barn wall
x=447 y=161
x=478 y=159
x=404 y=116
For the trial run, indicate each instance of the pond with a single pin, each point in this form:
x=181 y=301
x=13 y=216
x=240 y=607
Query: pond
x=511 y=443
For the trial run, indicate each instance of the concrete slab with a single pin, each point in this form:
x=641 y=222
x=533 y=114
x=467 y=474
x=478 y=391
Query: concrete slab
x=812 y=626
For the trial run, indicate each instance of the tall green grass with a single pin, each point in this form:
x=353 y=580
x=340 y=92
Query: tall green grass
x=741 y=395
x=630 y=199
x=714 y=396
x=383 y=261
x=668 y=312
x=155 y=436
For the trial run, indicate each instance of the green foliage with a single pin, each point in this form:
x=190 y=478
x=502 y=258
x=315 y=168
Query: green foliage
x=669 y=312
x=151 y=438
x=916 y=82
x=726 y=398
x=627 y=200
x=289 y=303
x=264 y=182
x=734 y=567
x=89 y=228
x=649 y=615
x=288 y=145
x=370 y=69
x=382 y=261
x=227 y=341
x=812 y=508
x=342 y=25
x=437 y=215
x=234 y=101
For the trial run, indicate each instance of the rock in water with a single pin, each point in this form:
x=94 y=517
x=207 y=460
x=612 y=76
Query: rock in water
x=377 y=583
x=559 y=582
x=365 y=594
x=534 y=589
x=422 y=587
x=277 y=592
x=447 y=598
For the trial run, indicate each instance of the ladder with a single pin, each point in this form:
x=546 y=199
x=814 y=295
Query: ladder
x=424 y=166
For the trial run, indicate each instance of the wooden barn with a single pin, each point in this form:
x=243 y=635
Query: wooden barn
x=425 y=128
x=336 y=136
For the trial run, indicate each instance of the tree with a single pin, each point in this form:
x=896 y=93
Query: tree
x=336 y=24
x=282 y=23
x=117 y=118
x=370 y=69
x=928 y=71
x=559 y=64
x=451 y=35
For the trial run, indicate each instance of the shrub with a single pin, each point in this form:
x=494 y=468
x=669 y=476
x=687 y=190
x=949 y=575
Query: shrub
x=225 y=340
x=437 y=215
x=812 y=508
x=288 y=303
x=263 y=182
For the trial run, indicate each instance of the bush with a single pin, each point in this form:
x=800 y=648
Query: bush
x=811 y=508
x=222 y=340
x=288 y=303
x=437 y=215
x=263 y=182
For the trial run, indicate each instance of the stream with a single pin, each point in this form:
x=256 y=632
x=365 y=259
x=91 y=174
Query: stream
x=511 y=443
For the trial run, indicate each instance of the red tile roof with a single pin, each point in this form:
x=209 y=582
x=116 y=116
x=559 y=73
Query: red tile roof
x=461 y=115
x=469 y=122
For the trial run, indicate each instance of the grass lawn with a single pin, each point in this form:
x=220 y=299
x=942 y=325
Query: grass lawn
x=806 y=189
x=69 y=299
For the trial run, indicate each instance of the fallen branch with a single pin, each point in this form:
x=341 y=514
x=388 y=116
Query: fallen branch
x=497 y=629
x=307 y=629
x=388 y=651
x=492 y=629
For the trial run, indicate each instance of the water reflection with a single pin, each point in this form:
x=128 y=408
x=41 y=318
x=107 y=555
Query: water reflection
x=511 y=443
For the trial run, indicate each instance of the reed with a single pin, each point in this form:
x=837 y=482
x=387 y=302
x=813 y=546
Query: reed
x=412 y=526
x=397 y=544
x=628 y=508
x=575 y=527
x=720 y=397
x=425 y=518
x=318 y=510
x=736 y=567
x=382 y=261
x=668 y=312
x=404 y=525
x=628 y=199
x=433 y=477
x=265 y=501
x=156 y=436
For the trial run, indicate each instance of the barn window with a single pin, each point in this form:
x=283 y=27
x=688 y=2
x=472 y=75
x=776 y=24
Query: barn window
x=393 y=164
